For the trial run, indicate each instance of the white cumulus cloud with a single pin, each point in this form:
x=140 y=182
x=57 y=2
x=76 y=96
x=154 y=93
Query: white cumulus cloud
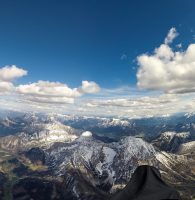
x=167 y=70
x=44 y=92
x=5 y=87
x=87 y=134
x=7 y=75
x=89 y=87
x=47 y=88
x=54 y=92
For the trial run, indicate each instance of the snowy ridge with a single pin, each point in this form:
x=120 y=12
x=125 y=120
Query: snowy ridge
x=171 y=135
x=171 y=141
x=134 y=146
x=43 y=135
x=114 y=122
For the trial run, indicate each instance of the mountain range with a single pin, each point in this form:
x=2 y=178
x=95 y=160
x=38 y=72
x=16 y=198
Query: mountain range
x=86 y=157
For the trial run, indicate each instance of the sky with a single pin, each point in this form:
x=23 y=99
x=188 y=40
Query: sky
x=127 y=58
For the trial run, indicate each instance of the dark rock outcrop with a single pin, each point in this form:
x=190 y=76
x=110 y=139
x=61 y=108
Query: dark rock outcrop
x=36 y=155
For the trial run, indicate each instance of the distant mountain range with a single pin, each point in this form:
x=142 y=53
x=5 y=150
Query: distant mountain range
x=81 y=157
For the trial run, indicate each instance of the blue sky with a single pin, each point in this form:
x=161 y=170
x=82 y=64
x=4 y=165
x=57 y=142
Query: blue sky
x=95 y=41
x=70 y=41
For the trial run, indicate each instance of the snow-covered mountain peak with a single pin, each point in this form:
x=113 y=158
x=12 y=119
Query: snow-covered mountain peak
x=190 y=114
x=135 y=146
